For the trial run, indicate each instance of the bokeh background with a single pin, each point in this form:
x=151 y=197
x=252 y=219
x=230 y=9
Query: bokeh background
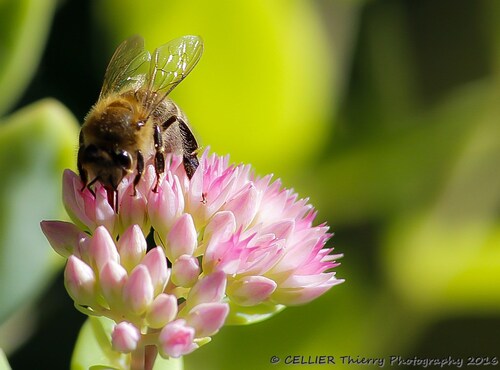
x=385 y=113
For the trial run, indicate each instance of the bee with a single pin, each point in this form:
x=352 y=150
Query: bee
x=134 y=120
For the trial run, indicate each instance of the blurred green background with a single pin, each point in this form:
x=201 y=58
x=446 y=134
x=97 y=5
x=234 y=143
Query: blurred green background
x=384 y=112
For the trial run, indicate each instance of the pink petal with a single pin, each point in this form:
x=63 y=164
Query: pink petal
x=80 y=281
x=133 y=210
x=165 y=206
x=281 y=229
x=75 y=201
x=211 y=288
x=219 y=192
x=221 y=226
x=185 y=271
x=224 y=256
x=148 y=180
x=244 y=206
x=305 y=294
x=156 y=263
x=182 y=238
x=62 y=236
x=251 y=290
x=220 y=233
x=162 y=311
x=294 y=256
x=176 y=339
x=207 y=318
x=260 y=259
x=102 y=248
x=104 y=214
x=305 y=281
x=132 y=247
x=138 y=291
x=112 y=279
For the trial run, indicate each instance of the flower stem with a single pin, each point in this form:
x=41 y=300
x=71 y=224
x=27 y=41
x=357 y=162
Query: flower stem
x=143 y=358
x=150 y=357
x=138 y=360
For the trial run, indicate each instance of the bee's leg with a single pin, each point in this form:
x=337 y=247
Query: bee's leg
x=81 y=171
x=165 y=125
x=140 y=169
x=159 y=156
x=189 y=145
x=89 y=186
x=190 y=162
x=83 y=177
x=190 y=149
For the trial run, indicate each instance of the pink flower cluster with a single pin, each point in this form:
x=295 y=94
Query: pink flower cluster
x=225 y=240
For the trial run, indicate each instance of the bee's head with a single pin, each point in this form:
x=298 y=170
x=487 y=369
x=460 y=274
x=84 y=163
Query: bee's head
x=105 y=165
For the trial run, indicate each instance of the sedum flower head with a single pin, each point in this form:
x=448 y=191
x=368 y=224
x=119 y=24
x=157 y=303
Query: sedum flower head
x=225 y=240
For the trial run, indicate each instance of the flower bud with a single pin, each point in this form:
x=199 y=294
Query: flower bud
x=138 y=290
x=102 y=248
x=182 y=238
x=104 y=214
x=62 y=236
x=133 y=210
x=131 y=247
x=251 y=290
x=207 y=318
x=176 y=339
x=156 y=263
x=162 y=311
x=209 y=289
x=77 y=202
x=112 y=279
x=185 y=271
x=80 y=281
x=125 y=337
x=165 y=206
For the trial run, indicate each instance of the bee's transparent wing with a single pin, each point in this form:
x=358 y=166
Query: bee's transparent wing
x=124 y=70
x=170 y=64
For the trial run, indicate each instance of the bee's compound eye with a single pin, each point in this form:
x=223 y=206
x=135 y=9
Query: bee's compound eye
x=124 y=159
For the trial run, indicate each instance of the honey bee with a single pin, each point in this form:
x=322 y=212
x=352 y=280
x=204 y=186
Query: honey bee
x=134 y=120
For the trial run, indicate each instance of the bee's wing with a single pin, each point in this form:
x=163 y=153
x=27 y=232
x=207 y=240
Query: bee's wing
x=124 y=70
x=170 y=64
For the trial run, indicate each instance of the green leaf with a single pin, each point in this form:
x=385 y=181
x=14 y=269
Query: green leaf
x=446 y=255
x=4 y=364
x=93 y=349
x=240 y=315
x=36 y=144
x=392 y=173
x=24 y=26
x=170 y=364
